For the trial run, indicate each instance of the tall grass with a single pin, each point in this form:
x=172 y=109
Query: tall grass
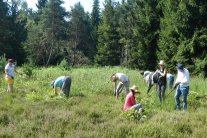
x=92 y=110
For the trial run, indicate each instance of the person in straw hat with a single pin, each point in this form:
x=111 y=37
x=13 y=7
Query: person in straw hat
x=130 y=102
x=162 y=82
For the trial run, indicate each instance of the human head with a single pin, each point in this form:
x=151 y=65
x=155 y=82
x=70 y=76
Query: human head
x=134 y=89
x=180 y=66
x=10 y=60
x=113 y=77
x=162 y=63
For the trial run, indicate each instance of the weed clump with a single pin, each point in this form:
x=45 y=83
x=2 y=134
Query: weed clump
x=134 y=115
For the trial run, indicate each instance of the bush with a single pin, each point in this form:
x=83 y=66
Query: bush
x=134 y=115
x=64 y=64
x=28 y=70
x=2 y=62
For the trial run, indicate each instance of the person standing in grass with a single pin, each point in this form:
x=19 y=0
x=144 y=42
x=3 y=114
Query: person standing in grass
x=182 y=84
x=63 y=82
x=162 y=81
x=9 y=71
x=130 y=102
x=123 y=82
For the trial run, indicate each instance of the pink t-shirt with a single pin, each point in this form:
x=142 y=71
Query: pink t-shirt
x=129 y=101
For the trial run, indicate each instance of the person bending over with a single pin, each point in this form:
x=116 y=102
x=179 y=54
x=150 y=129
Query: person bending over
x=63 y=82
x=123 y=81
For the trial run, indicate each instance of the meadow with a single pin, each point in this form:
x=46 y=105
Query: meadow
x=91 y=109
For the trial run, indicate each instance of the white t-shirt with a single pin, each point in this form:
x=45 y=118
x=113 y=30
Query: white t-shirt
x=122 y=77
x=10 y=70
x=183 y=78
x=147 y=75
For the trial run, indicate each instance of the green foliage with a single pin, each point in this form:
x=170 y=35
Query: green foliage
x=64 y=64
x=91 y=109
x=79 y=29
x=109 y=50
x=27 y=70
x=134 y=115
x=183 y=32
x=3 y=63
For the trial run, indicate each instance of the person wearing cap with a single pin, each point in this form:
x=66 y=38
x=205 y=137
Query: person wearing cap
x=162 y=82
x=130 y=102
x=63 y=82
x=9 y=71
x=182 y=84
x=123 y=82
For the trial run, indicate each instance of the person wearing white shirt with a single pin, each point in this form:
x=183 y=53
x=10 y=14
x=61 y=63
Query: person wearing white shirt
x=182 y=84
x=9 y=71
x=146 y=75
x=123 y=82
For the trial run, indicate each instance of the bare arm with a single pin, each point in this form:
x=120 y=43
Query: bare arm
x=164 y=73
x=55 y=90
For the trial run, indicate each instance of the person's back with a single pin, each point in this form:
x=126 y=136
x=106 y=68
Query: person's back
x=64 y=82
x=122 y=77
x=147 y=76
x=59 y=81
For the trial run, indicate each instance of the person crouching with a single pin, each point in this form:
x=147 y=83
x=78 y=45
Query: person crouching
x=130 y=102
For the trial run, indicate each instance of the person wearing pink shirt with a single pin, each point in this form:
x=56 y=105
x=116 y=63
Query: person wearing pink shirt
x=130 y=102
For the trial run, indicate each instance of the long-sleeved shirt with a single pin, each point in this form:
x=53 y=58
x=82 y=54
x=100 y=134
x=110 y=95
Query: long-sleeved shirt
x=183 y=77
x=129 y=101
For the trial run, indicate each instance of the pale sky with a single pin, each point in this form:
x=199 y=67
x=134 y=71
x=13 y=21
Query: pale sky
x=87 y=4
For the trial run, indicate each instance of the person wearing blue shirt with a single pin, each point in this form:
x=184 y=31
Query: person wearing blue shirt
x=63 y=82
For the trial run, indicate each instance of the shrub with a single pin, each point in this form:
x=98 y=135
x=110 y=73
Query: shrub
x=134 y=115
x=2 y=62
x=64 y=64
x=28 y=70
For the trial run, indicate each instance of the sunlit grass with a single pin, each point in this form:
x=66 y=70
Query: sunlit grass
x=91 y=109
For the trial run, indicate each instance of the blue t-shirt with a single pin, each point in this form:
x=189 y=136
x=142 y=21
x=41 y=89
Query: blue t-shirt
x=59 y=81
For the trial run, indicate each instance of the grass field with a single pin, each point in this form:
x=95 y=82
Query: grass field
x=92 y=110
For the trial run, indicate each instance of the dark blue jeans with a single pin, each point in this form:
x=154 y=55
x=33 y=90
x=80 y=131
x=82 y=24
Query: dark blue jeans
x=184 y=92
x=120 y=87
x=161 y=92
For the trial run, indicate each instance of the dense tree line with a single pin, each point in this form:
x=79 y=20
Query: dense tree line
x=131 y=33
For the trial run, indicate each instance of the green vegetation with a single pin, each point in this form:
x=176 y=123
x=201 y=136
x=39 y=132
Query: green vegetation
x=92 y=110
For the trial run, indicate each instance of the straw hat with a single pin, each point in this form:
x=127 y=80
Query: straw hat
x=135 y=89
x=161 y=62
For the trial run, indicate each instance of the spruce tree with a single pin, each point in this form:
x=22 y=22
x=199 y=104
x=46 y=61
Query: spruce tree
x=109 y=50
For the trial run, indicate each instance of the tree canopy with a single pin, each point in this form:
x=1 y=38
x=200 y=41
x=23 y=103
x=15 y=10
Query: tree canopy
x=131 y=33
